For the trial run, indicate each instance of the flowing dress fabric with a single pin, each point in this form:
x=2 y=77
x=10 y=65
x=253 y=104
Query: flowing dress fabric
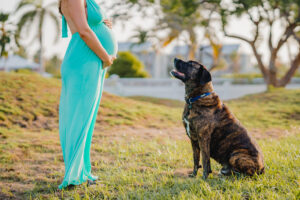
x=82 y=84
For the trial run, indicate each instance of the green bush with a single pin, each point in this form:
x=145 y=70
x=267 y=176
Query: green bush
x=127 y=65
x=24 y=71
x=52 y=66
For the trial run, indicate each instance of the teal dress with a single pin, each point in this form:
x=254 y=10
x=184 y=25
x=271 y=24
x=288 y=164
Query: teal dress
x=82 y=84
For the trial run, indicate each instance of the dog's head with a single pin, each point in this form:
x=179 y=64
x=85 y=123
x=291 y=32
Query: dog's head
x=191 y=73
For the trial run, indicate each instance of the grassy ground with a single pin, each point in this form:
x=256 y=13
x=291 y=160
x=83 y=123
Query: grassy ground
x=139 y=148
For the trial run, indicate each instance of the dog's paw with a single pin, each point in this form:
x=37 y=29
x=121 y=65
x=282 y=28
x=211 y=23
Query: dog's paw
x=205 y=175
x=193 y=174
x=225 y=172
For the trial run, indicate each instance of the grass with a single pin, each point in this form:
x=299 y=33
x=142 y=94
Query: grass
x=30 y=101
x=139 y=148
x=160 y=101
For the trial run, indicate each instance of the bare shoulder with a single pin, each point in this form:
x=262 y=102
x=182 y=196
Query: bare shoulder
x=73 y=12
x=64 y=5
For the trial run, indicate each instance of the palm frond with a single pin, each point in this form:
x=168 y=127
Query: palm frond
x=27 y=17
x=4 y=17
x=41 y=19
x=53 y=4
x=23 y=4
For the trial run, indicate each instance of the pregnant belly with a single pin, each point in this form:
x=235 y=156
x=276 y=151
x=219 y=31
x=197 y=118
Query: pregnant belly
x=107 y=38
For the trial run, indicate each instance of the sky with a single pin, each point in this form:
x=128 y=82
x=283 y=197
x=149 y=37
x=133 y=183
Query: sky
x=124 y=32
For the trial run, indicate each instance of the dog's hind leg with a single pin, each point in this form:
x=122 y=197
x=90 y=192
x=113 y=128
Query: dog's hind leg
x=196 y=156
x=243 y=163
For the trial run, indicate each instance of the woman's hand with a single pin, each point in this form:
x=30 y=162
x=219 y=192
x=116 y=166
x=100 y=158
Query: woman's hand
x=108 y=23
x=109 y=61
x=77 y=13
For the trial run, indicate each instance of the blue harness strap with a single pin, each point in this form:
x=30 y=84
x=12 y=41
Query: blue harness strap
x=189 y=102
x=64 y=30
x=192 y=100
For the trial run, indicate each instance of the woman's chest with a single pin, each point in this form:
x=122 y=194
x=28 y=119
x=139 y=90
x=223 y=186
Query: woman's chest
x=95 y=14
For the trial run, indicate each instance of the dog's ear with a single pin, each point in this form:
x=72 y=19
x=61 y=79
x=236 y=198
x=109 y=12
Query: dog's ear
x=204 y=76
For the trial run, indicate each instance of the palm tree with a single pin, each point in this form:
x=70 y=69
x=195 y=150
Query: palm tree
x=216 y=48
x=184 y=17
x=6 y=35
x=177 y=23
x=37 y=11
x=141 y=35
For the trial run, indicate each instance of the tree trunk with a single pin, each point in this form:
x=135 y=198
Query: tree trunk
x=41 y=60
x=6 y=69
x=192 y=52
x=261 y=66
x=290 y=73
x=272 y=76
x=193 y=46
x=157 y=67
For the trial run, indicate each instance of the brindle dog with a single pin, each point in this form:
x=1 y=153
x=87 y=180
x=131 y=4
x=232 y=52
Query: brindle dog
x=213 y=129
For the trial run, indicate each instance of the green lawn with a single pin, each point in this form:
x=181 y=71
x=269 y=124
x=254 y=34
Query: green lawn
x=139 y=149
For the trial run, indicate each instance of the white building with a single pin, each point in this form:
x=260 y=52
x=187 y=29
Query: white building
x=156 y=64
x=235 y=59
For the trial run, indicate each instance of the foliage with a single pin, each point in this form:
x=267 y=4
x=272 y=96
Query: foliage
x=142 y=36
x=25 y=71
x=185 y=16
x=53 y=65
x=6 y=34
x=127 y=65
x=266 y=13
x=21 y=52
x=34 y=12
x=176 y=18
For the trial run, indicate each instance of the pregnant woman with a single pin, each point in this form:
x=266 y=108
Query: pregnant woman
x=92 y=48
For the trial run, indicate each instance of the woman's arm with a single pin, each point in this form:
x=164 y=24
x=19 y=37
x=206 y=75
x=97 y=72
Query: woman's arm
x=77 y=13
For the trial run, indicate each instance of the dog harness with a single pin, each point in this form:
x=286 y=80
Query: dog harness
x=190 y=101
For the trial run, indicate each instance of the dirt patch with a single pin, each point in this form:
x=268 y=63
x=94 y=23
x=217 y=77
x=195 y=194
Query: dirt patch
x=183 y=173
x=144 y=133
x=274 y=133
x=178 y=133
x=294 y=116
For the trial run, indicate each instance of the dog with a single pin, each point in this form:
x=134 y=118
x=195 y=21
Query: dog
x=212 y=128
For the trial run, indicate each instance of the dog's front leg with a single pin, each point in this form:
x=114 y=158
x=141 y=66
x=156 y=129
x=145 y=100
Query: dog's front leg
x=196 y=156
x=205 y=151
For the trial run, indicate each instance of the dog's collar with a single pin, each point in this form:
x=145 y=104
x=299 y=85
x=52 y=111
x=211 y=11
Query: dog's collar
x=193 y=99
x=189 y=101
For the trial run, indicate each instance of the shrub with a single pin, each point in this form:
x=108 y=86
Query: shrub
x=24 y=71
x=127 y=65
